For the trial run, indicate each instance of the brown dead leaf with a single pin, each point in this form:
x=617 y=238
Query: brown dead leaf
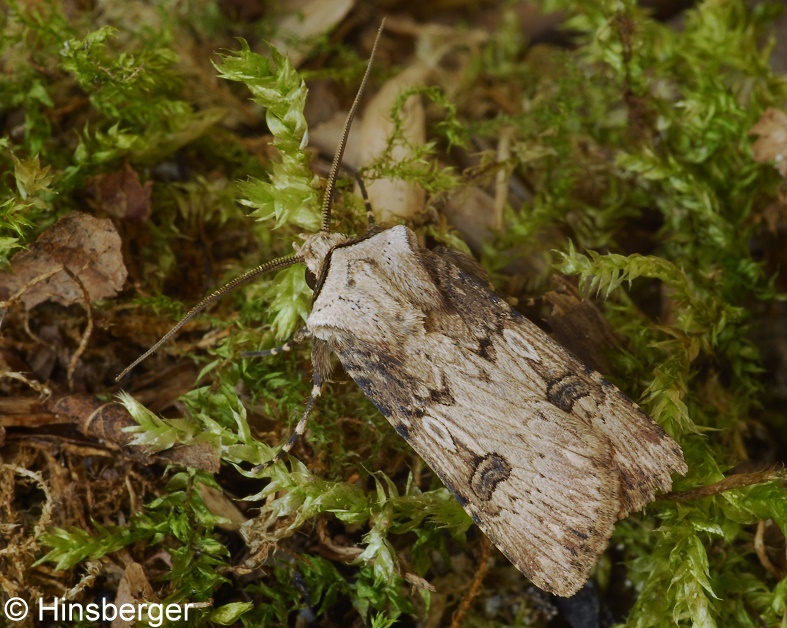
x=134 y=589
x=326 y=135
x=198 y=456
x=771 y=146
x=773 y=217
x=25 y=412
x=435 y=40
x=106 y=422
x=471 y=211
x=103 y=421
x=88 y=247
x=242 y=10
x=120 y=194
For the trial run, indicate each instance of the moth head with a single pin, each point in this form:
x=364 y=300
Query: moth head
x=315 y=249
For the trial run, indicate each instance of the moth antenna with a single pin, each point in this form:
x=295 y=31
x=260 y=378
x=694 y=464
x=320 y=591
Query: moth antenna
x=370 y=221
x=276 y=264
x=337 y=158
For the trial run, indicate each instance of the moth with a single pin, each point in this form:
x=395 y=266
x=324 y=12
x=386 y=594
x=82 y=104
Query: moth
x=542 y=452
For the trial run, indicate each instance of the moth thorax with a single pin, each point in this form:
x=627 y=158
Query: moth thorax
x=315 y=249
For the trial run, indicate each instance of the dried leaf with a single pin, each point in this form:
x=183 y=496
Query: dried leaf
x=120 y=194
x=326 y=135
x=393 y=199
x=772 y=143
x=221 y=506
x=87 y=246
x=109 y=423
x=471 y=211
x=25 y=412
x=242 y=10
x=198 y=456
x=133 y=589
x=579 y=325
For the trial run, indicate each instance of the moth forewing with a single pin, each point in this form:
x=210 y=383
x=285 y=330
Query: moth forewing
x=542 y=452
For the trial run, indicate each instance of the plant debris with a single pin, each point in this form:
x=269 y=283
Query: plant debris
x=77 y=249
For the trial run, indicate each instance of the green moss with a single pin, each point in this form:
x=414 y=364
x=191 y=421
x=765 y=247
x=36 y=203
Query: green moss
x=635 y=148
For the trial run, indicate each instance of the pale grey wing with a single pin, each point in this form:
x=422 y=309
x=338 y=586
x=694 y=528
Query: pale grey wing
x=645 y=455
x=539 y=482
x=501 y=413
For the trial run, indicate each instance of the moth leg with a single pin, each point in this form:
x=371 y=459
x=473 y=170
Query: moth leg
x=298 y=337
x=300 y=428
x=369 y=214
x=321 y=361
